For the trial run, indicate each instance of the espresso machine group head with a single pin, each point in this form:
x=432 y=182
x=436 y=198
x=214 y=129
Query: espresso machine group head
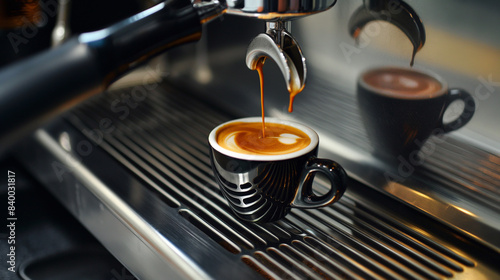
x=44 y=85
x=278 y=43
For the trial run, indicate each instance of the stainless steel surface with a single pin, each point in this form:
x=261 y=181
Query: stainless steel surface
x=277 y=10
x=124 y=233
x=268 y=10
x=458 y=181
x=141 y=182
x=48 y=239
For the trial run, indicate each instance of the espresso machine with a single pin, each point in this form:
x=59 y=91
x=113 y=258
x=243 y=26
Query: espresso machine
x=90 y=62
x=110 y=123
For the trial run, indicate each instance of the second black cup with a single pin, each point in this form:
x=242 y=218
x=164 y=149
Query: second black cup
x=401 y=108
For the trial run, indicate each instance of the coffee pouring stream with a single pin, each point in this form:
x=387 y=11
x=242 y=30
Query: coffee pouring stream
x=88 y=63
x=279 y=45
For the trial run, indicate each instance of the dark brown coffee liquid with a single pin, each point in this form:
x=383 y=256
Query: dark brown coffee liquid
x=293 y=92
x=402 y=83
x=246 y=138
x=258 y=67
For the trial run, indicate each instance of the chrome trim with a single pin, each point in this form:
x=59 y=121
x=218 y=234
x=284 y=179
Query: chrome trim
x=148 y=254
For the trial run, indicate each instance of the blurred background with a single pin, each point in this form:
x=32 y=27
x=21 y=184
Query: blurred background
x=453 y=198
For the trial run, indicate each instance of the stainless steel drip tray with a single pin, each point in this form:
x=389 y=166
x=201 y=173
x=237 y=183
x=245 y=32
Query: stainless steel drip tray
x=137 y=175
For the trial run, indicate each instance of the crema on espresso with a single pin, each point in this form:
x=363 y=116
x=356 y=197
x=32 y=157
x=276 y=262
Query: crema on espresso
x=246 y=138
x=402 y=83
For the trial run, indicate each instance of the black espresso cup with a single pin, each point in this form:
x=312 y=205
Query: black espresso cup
x=264 y=187
x=401 y=108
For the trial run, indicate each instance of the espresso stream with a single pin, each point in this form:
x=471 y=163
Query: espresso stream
x=293 y=93
x=246 y=138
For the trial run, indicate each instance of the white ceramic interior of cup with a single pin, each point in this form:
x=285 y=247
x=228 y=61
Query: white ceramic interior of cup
x=443 y=90
x=311 y=133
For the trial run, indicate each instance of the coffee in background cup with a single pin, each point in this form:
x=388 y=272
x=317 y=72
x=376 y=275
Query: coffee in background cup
x=401 y=108
x=402 y=83
x=262 y=178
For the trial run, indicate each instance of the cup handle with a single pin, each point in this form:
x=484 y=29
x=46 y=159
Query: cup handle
x=468 y=112
x=305 y=197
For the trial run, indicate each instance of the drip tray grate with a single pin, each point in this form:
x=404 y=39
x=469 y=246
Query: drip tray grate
x=161 y=142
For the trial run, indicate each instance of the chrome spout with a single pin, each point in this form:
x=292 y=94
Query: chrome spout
x=393 y=11
x=279 y=45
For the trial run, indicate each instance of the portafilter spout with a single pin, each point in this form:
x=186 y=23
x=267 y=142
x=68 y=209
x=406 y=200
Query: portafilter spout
x=396 y=12
x=279 y=45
